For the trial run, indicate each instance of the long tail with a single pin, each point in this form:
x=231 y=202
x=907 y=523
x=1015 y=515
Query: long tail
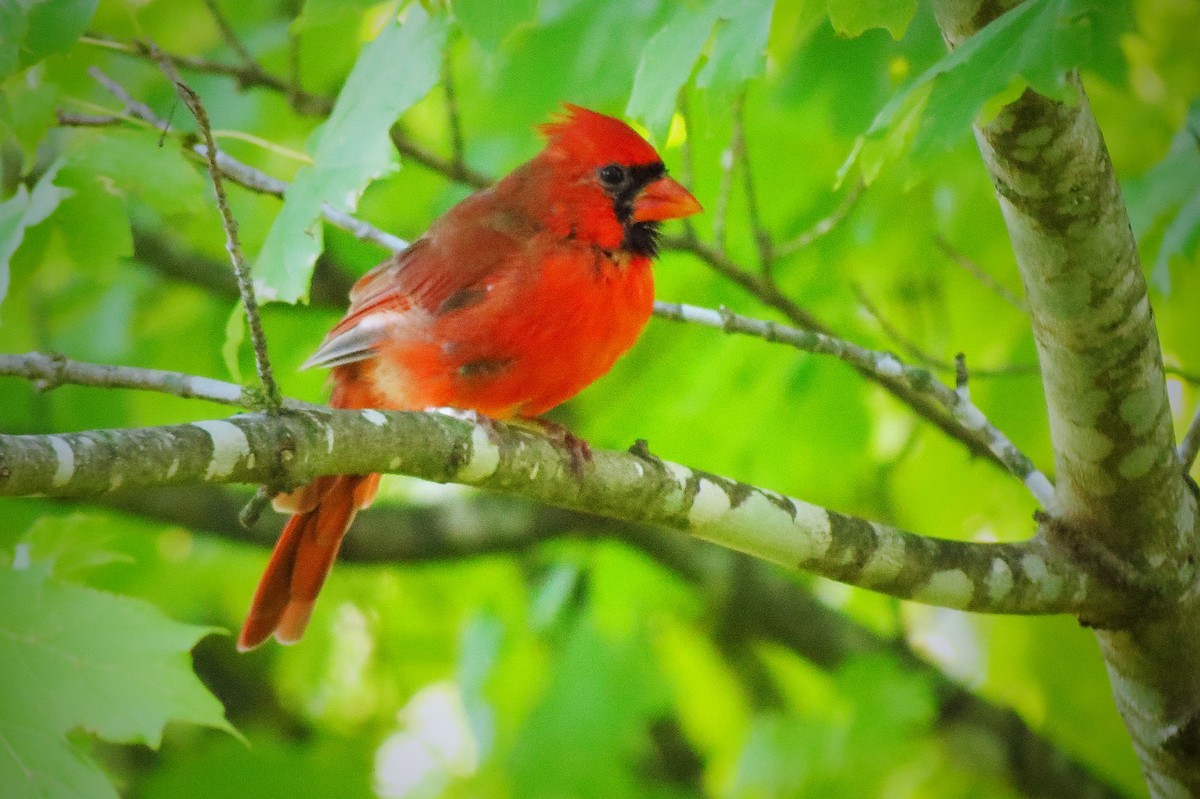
x=303 y=556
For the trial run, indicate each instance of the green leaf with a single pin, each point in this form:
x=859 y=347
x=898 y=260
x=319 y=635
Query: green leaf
x=1179 y=241
x=133 y=164
x=24 y=210
x=854 y=17
x=392 y=72
x=488 y=22
x=1168 y=191
x=62 y=670
x=14 y=24
x=54 y=25
x=601 y=699
x=1037 y=43
x=70 y=545
x=739 y=49
x=317 y=13
x=666 y=64
x=739 y=37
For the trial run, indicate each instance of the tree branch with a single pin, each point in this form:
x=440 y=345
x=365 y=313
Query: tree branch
x=757 y=285
x=823 y=226
x=884 y=365
x=768 y=605
x=978 y=272
x=295 y=447
x=242 y=174
x=246 y=75
x=1121 y=492
x=51 y=370
x=233 y=246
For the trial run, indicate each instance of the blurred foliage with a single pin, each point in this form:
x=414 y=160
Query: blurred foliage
x=573 y=669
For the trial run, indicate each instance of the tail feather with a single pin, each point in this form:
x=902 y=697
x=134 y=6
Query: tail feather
x=303 y=556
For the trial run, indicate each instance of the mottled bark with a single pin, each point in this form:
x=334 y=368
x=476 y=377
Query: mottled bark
x=1124 y=510
x=293 y=447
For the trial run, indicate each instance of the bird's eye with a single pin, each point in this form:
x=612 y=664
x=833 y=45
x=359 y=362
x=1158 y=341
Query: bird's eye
x=612 y=175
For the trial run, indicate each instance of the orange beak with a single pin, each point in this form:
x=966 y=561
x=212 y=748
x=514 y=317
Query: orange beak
x=664 y=199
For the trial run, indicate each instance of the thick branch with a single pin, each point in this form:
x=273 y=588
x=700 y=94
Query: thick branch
x=1121 y=491
x=757 y=285
x=764 y=603
x=295 y=447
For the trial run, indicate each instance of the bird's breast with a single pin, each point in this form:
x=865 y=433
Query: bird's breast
x=536 y=338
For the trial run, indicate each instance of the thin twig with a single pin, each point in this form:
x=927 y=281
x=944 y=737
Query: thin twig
x=717 y=260
x=823 y=226
x=979 y=273
x=75 y=120
x=961 y=377
x=881 y=363
x=741 y=154
x=231 y=37
x=232 y=245
x=1188 y=377
x=301 y=101
x=687 y=155
x=244 y=175
x=1190 y=445
x=917 y=353
x=456 y=171
x=453 y=119
x=51 y=370
x=724 y=190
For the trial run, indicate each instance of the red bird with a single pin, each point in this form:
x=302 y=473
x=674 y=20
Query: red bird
x=514 y=301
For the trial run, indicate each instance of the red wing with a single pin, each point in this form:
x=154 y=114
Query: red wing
x=445 y=270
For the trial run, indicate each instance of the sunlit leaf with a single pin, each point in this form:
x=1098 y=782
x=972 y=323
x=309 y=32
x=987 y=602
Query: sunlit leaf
x=488 y=22
x=854 y=17
x=1038 y=42
x=23 y=210
x=63 y=671
x=393 y=71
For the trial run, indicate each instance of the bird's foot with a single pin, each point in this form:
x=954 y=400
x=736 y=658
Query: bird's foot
x=581 y=453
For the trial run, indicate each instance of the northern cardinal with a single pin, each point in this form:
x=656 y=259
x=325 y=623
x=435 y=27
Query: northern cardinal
x=514 y=300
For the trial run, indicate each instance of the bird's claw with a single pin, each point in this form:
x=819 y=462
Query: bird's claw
x=581 y=452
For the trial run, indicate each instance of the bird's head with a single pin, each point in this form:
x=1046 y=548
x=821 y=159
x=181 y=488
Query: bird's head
x=615 y=179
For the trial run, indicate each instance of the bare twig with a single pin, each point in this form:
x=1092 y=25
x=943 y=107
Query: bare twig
x=133 y=106
x=1186 y=376
x=978 y=272
x=823 y=226
x=74 y=120
x=687 y=155
x=231 y=38
x=917 y=353
x=741 y=155
x=961 y=378
x=50 y=370
x=302 y=102
x=456 y=171
x=453 y=118
x=232 y=245
x=237 y=171
x=884 y=364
